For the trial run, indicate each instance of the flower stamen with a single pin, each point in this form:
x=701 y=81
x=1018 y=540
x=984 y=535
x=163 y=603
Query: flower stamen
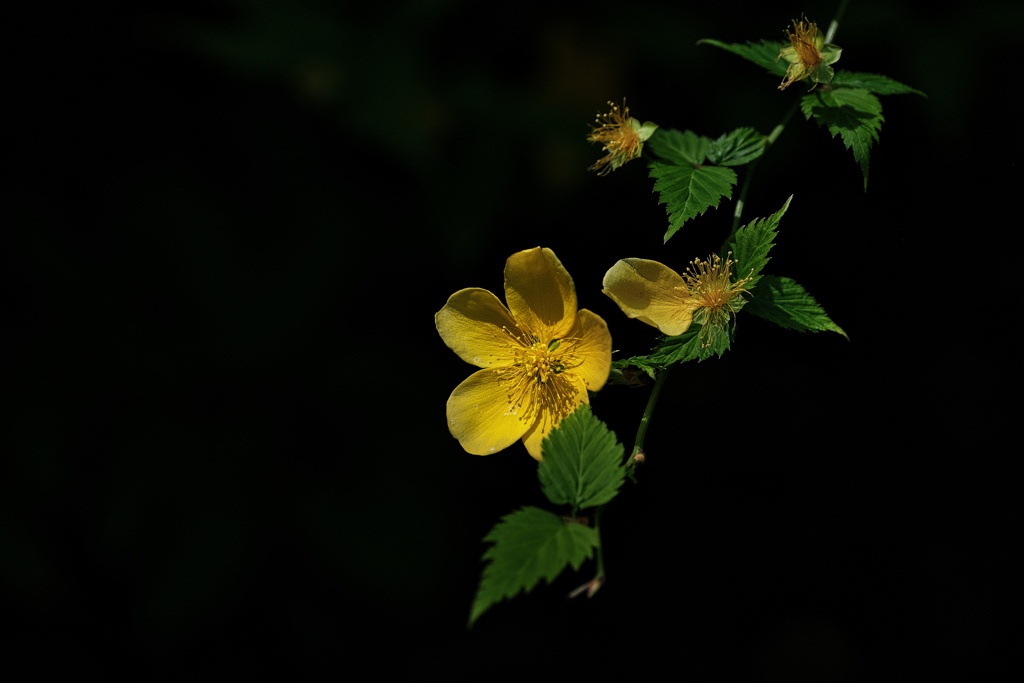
x=621 y=136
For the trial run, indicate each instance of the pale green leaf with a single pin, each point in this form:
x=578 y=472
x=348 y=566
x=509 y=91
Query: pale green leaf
x=853 y=113
x=787 y=304
x=529 y=545
x=581 y=465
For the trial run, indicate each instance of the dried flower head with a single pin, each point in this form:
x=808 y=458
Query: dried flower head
x=808 y=55
x=661 y=297
x=621 y=136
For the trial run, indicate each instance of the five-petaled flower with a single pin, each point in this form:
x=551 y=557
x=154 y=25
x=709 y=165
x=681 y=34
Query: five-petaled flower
x=808 y=55
x=661 y=297
x=539 y=356
x=622 y=137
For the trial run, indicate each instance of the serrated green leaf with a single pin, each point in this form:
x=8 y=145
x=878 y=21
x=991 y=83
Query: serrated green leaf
x=853 y=113
x=581 y=465
x=737 y=147
x=681 y=148
x=642 y=363
x=681 y=348
x=687 y=191
x=751 y=243
x=876 y=83
x=765 y=53
x=688 y=346
x=787 y=304
x=529 y=545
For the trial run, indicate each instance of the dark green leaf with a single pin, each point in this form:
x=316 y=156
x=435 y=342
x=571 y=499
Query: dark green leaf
x=688 y=346
x=751 y=243
x=529 y=545
x=581 y=465
x=876 y=83
x=853 y=113
x=642 y=363
x=765 y=53
x=689 y=191
x=787 y=304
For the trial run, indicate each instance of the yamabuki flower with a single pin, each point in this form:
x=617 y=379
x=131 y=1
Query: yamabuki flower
x=621 y=136
x=539 y=356
x=808 y=55
x=661 y=297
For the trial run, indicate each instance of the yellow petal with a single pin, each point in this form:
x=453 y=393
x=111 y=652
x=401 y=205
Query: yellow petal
x=479 y=414
x=651 y=292
x=471 y=325
x=543 y=426
x=540 y=293
x=593 y=350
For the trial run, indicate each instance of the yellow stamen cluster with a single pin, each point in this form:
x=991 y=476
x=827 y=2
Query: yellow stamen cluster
x=620 y=137
x=803 y=54
x=538 y=377
x=716 y=297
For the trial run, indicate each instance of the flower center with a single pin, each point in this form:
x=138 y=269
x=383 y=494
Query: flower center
x=539 y=377
x=711 y=286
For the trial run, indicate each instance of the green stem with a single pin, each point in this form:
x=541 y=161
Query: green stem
x=748 y=177
x=594 y=584
x=834 y=26
x=645 y=421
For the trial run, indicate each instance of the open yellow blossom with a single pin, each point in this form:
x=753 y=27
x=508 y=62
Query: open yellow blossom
x=661 y=297
x=808 y=55
x=539 y=356
x=622 y=137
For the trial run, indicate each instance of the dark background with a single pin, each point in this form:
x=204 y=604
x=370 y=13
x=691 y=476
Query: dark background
x=228 y=229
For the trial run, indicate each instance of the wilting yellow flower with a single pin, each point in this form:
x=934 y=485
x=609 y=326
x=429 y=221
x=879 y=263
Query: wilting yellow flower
x=808 y=55
x=539 y=356
x=623 y=138
x=661 y=297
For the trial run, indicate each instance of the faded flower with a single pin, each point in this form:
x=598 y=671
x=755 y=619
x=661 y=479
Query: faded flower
x=622 y=137
x=808 y=55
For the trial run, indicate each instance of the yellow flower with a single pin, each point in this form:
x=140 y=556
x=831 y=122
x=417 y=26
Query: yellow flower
x=539 y=356
x=661 y=297
x=808 y=55
x=623 y=138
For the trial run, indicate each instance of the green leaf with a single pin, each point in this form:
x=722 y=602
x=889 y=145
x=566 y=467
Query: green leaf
x=529 y=545
x=751 y=243
x=787 y=304
x=853 y=113
x=683 y=183
x=738 y=147
x=687 y=346
x=679 y=349
x=581 y=465
x=642 y=363
x=681 y=148
x=765 y=53
x=689 y=191
x=876 y=83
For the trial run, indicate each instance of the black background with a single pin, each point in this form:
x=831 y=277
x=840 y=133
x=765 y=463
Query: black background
x=227 y=232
